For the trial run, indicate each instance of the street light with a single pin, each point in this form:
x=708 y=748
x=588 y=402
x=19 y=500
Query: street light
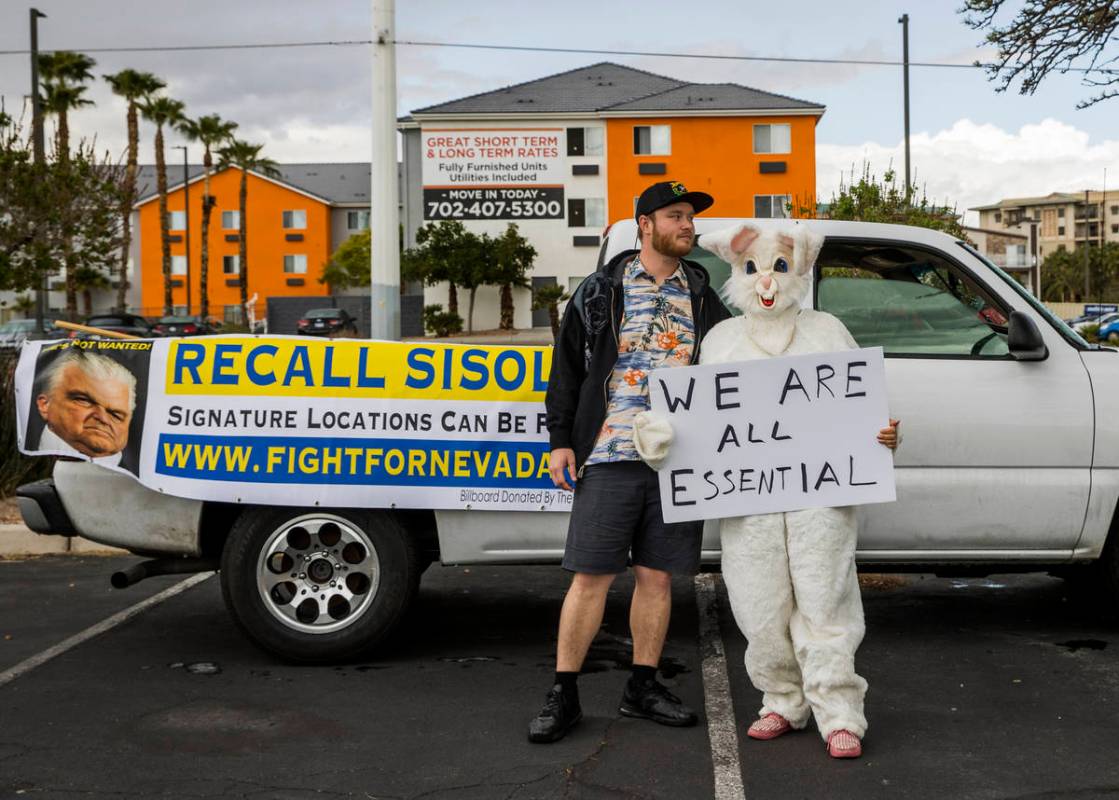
x=186 y=207
x=38 y=150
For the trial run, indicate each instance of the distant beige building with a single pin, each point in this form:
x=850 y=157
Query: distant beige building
x=1007 y=249
x=1061 y=220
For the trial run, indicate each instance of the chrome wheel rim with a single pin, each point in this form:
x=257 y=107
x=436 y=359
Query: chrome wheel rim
x=318 y=573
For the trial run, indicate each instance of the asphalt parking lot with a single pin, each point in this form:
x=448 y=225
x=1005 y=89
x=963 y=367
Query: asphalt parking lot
x=981 y=688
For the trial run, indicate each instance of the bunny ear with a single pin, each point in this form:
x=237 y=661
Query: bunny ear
x=730 y=244
x=806 y=248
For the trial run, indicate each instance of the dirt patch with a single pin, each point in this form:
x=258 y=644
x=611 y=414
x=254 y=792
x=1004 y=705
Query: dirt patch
x=881 y=582
x=9 y=511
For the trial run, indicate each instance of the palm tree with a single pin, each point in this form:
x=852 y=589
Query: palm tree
x=132 y=86
x=64 y=74
x=247 y=157
x=163 y=111
x=211 y=130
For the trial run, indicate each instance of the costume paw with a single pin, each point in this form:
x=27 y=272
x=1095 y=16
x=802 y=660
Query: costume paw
x=652 y=437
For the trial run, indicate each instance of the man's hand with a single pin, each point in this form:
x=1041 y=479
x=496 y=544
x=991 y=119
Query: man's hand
x=562 y=458
x=890 y=436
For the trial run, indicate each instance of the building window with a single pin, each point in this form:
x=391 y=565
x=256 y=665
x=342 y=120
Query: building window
x=1061 y=212
x=585 y=141
x=773 y=139
x=772 y=206
x=357 y=220
x=1115 y=228
x=295 y=264
x=178 y=265
x=1061 y=230
x=998 y=216
x=296 y=220
x=176 y=220
x=231 y=220
x=1114 y=210
x=589 y=212
x=231 y=265
x=652 y=140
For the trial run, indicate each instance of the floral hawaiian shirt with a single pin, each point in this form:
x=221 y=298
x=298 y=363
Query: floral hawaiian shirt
x=657 y=331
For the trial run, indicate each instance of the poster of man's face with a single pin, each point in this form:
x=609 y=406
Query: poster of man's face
x=87 y=401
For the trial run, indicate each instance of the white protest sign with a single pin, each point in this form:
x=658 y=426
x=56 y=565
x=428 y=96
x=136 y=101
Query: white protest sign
x=777 y=434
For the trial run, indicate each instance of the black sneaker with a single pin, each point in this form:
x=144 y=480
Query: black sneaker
x=651 y=700
x=560 y=713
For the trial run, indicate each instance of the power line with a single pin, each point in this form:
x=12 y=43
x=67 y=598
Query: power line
x=195 y=47
x=863 y=62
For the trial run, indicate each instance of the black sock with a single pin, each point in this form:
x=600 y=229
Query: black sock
x=643 y=673
x=568 y=680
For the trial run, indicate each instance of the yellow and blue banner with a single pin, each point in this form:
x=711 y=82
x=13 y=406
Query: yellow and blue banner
x=284 y=420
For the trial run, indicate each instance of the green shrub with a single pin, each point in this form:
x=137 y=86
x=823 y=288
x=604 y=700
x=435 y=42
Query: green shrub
x=440 y=322
x=15 y=468
x=1091 y=333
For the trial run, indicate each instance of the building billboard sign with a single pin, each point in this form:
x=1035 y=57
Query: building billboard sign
x=493 y=173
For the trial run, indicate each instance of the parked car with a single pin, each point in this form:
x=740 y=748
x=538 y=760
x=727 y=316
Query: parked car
x=15 y=332
x=327 y=322
x=132 y=324
x=1109 y=332
x=185 y=326
x=1008 y=463
x=1080 y=323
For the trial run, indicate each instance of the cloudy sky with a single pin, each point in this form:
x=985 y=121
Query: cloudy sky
x=970 y=145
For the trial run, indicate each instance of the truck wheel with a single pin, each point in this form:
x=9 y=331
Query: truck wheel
x=1106 y=578
x=315 y=585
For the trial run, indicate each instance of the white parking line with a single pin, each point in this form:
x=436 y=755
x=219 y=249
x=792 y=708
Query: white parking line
x=721 y=728
x=25 y=666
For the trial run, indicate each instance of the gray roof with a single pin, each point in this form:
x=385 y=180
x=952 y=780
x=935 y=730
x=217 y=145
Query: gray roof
x=713 y=96
x=612 y=87
x=334 y=183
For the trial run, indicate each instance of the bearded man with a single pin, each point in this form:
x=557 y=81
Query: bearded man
x=646 y=309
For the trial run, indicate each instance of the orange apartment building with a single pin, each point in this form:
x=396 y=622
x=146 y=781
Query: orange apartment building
x=566 y=155
x=294 y=223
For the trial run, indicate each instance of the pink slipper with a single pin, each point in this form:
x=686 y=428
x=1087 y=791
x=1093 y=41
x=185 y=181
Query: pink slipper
x=770 y=726
x=844 y=744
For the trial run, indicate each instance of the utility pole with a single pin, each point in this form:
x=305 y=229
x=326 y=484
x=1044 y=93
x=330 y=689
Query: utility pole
x=904 y=20
x=38 y=150
x=384 y=216
x=186 y=207
x=1087 y=232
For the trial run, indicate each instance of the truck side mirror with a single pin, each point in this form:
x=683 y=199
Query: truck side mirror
x=1024 y=339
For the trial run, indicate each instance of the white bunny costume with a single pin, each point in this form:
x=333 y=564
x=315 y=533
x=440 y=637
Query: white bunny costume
x=790 y=576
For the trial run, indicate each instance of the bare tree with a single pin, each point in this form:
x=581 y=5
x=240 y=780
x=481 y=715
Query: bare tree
x=1047 y=36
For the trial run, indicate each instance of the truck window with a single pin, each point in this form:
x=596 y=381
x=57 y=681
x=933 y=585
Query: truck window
x=717 y=269
x=909 y=301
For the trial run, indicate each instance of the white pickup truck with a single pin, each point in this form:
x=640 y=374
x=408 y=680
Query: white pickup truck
x=1010 y=462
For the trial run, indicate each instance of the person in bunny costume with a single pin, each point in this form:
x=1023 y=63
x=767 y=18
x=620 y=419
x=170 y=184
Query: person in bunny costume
x=790 y=576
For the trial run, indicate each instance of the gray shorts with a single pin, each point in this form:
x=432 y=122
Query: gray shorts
x=616 y=520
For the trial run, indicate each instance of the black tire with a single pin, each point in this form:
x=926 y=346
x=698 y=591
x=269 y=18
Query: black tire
x=1106 y=579
x=276 y=556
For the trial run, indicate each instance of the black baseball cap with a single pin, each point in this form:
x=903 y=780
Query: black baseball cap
x=666 y=193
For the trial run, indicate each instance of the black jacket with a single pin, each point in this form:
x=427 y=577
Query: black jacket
x=587 y=349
